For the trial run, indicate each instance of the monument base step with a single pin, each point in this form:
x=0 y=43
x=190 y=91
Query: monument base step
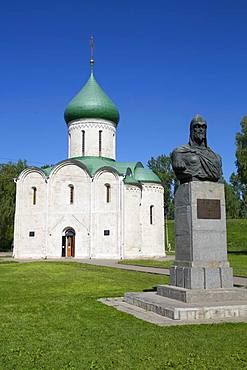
x=203 y=295
x=178 y=310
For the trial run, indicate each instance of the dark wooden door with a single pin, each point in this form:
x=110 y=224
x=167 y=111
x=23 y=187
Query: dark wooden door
x=70 y=246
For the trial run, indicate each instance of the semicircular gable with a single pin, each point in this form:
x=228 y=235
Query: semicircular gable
x=64 y=165
x=30 y=171
x=106 y=170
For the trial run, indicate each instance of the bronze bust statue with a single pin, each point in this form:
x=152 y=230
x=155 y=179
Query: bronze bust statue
x=196 y=161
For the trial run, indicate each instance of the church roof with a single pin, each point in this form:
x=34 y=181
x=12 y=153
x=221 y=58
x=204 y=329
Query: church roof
x=91 y=102
x=144 y=175
x=134 y=172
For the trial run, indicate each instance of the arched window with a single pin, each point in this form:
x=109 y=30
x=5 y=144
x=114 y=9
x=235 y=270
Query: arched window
x=71 y=196
x=151 y=215
x=83 y=142
x=108 y=193
x=100 y=142
x=34 y=195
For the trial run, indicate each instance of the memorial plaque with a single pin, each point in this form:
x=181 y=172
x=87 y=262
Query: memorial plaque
x=208 y=209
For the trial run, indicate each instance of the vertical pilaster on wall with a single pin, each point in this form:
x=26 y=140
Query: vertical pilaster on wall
x=114 y=145
x=17 y=218
x=91 y=226
x=121 y=217
x=47 y=218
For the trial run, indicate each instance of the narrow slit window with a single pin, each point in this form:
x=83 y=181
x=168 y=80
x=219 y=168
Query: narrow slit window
x=71 y=195
x=83 y=142
x=151 y=215
x=108 y=193
x=34 y=195
x=100 y=142
x=69 y=145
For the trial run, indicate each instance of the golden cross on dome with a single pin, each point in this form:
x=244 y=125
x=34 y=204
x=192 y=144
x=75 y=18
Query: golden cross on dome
x=92 y=44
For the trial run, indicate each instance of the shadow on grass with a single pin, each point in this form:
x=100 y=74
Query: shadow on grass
x=154 y=289
x=244 y=252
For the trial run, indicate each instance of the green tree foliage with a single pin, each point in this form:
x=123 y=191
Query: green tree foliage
x=233 y=201
x=162 y=167
x=239 y=180
x=46 y=166
x=241 y=152
x=8 y=172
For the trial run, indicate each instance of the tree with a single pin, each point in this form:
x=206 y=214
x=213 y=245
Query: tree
x=8 y=172
x=162 y=167
x=240 y=179
x=241 y=152
x=233 y=201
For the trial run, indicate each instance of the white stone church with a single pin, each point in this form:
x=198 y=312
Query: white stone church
x=89 y=205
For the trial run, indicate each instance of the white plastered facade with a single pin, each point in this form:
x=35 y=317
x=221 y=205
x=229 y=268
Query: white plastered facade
x=113 y=226
x=89 y=130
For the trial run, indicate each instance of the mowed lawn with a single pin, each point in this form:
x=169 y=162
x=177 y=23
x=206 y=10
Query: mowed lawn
x=238 y=261
x=236 y=246
x=236 y=234
x=50 y=319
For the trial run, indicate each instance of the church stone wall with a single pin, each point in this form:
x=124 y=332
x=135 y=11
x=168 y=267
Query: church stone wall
x=132 y=222
x=30 y=219
x=91 y=138
x=63 y=215
x=106 y=238
x=152 y=234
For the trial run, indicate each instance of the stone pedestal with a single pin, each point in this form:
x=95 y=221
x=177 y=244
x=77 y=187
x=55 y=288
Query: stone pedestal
x=201 y=280
x=201 y=248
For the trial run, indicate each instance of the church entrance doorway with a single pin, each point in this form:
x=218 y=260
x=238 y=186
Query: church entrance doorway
x=68 y=243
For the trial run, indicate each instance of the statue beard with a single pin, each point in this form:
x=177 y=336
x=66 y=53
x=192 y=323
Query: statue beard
x=198 y=139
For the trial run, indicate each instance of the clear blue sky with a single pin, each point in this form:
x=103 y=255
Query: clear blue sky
x=160 y=61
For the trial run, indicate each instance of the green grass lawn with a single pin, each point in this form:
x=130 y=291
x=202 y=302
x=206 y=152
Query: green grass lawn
x=237 y=235
x=237 y=261
x=50 y=319
x=236 y=244
x=239 y=264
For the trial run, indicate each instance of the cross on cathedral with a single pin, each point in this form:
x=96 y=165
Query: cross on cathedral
x=92 y=46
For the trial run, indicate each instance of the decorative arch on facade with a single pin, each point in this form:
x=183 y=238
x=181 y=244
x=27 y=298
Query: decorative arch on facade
x=106 y=189
x=29 y=171
x=106 y=169
x=65 y=229
x=70 y=162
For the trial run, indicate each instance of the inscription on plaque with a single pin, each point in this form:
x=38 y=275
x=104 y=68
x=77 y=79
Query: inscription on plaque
x=208 y=209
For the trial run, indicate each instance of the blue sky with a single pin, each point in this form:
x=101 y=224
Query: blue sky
x=161 y=62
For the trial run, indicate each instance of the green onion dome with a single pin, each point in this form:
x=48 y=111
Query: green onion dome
x=91 y=102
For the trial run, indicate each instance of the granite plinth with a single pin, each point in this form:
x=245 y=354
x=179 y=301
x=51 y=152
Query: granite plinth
x=203 y=295
x=201 y=277
x=177 y=310
x=201 y=248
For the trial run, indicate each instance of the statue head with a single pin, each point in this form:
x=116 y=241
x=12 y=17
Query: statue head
x=198 y=131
